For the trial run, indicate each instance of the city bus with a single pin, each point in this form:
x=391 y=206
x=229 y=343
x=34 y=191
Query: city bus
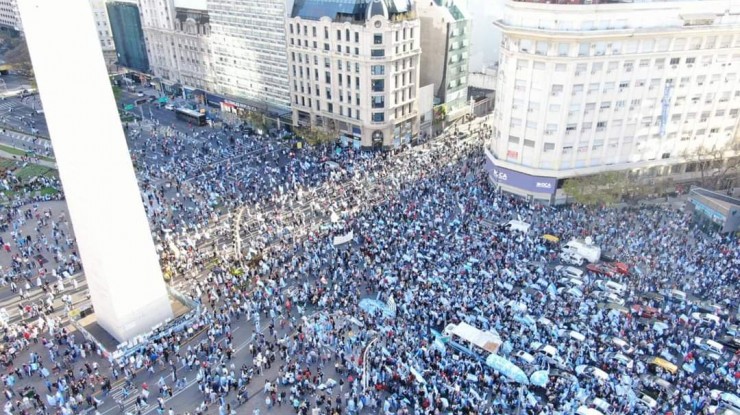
x=472 y=341
x=193 y=117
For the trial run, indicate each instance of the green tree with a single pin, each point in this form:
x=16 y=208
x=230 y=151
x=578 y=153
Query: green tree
x=599 y=189
x=17 y=56
x=256 y=119
x=319 y=136
x=117 y=93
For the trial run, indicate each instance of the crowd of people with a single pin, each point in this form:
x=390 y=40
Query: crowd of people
x=425 y=240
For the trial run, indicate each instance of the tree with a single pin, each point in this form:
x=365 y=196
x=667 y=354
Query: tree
x=314 y=136
x=117 y=93
x=17 y=56
x=599 y=189
x=716 y=170
x=256 y=119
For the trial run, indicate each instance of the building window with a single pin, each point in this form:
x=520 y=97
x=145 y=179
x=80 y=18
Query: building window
x=377 y=53
x=378 y=102
x=378 y=39
x=378 y=85
x=326 y=47
x=339 y=34
x=378 y=117
x=330 y=107
x=357 y=51
x=377 y=69
x=675 y=61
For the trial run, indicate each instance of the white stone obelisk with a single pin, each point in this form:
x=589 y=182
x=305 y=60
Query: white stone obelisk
x=105 y=206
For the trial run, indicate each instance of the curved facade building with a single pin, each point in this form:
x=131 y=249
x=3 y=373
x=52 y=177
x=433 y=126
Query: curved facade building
x=354 y=69
x=585 y=88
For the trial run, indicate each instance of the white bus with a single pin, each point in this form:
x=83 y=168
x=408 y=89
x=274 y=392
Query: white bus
x=472 y=341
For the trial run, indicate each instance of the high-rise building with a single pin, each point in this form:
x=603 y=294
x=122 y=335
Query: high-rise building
x=445 y=42
x=177 y=40
x=584 y=88
x=9 y=16
x=354 y=69
x=128 y=36
x=248 y=45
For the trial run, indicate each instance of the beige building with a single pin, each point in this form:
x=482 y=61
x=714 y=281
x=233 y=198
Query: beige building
x=586 y=88
x=177 y=42
x=354 y=69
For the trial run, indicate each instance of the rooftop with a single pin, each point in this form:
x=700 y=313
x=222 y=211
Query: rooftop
x=350 y=10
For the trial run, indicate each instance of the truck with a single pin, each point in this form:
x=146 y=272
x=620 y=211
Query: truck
x=585 y=248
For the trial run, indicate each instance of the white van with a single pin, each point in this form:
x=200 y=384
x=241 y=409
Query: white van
x=573 y=335
x=709 y=345
x=585 y=410
x=611 y=286
x=569 y=271
x=572 y=258
x=585 y=248
x=518 y=225
x=706 y=318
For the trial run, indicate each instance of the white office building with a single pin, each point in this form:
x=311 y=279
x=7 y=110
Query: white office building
x=248 y=45
x=9 y=16
x=626 y=86
x=354 y=69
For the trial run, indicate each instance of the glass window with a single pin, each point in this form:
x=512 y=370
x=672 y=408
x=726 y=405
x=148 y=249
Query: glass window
x=378 y=39
x=377 y=69
x=378 y=101
x=378 y=117
x=378 y=53
x=563 y=49
x=378 y=85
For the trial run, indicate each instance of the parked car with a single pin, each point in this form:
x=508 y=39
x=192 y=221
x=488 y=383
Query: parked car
x=621 y=359
x=569 y=271
x=572 y=258
x=603 y=269
x=592 y=372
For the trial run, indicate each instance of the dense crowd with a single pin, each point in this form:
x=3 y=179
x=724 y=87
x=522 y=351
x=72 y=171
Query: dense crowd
x=426 y=239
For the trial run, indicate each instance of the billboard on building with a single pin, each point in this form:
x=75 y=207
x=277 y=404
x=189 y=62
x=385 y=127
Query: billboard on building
x=534 y=184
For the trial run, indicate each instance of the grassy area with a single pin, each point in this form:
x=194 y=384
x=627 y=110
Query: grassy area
x=48 y=191
x=34 y=170
x=21 y=152
x=24 y=172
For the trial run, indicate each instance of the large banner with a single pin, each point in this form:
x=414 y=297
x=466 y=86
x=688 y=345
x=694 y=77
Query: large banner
x=343 y=239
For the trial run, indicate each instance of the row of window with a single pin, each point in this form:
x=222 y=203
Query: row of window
x=628 y=65
x=552 y=128
x=348 y=34
x=623 y=47
x=575 y=108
